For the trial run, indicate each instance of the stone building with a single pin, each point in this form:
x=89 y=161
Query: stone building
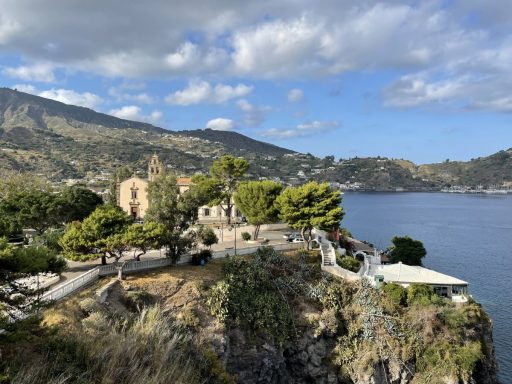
x=132 y=195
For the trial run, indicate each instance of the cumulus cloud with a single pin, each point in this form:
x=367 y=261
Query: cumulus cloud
x=198 y=92
x=221 y=124
x=466 y=92
x=295 y=95
x=66 y=96
x=121 y=95
x=302 y=130
x=254 y=115
x=133 y=112
x=267 y=39
x=37 y=72
x=411 y=91
x=263 y=39
x=191 y=58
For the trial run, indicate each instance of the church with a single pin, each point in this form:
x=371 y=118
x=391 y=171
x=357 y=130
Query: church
x=132 y=195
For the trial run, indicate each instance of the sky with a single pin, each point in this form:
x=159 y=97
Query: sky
x=420 y=80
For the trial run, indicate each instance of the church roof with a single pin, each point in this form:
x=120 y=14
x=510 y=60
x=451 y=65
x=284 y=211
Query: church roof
x=184 y=181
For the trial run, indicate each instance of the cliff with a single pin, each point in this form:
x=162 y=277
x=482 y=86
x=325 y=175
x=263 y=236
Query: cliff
x=263 y=319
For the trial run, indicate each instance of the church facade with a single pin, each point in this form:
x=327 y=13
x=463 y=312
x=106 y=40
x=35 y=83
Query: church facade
x=132 y=195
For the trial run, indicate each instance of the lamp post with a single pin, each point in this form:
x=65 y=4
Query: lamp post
x=234 y=225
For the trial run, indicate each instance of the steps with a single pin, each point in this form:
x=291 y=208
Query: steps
x=327 y=255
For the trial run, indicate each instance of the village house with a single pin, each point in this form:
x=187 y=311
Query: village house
x=132 y=195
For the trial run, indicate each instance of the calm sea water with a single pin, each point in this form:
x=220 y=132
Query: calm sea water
x=466 y=236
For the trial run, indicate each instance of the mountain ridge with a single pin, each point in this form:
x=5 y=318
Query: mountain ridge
x=61 y=141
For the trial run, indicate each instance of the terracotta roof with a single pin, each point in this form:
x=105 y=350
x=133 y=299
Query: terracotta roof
x=184 y=180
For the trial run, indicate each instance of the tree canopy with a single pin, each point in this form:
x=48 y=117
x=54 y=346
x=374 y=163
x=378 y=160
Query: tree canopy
x=407 y=251
x=25 y=203
x=175 y=211
x=256 y=201
x=99 y=235
x=218 y=188
x=77 y=203
x=17 y=263
x=310 y=205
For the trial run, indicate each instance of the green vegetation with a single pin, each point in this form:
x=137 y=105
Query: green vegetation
x=255 y=293
x=256 y=201
x=246 y=236
x=175 y=212
x=207 y=236
x=17 y=263
x=348 y=262
x=219 y=188
x=396 y=293
x=310 y=205
x=407 y=251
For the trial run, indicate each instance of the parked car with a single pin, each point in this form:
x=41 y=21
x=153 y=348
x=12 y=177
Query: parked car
x=295 y=238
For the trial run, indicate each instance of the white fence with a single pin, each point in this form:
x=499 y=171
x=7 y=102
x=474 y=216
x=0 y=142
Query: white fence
x=134 y=266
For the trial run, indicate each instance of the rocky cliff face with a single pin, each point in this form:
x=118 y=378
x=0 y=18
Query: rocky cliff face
x=455 y=343
x=308 y=361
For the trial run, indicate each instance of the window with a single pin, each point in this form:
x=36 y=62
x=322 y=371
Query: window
x=134 y=194
x=207 y=211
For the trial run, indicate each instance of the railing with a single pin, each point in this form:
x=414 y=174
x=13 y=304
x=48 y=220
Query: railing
x=134 y=266
x=72 y=285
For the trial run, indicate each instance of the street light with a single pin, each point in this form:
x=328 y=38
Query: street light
x=234 y=225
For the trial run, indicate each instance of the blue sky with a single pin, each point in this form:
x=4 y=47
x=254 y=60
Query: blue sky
x=421 y=80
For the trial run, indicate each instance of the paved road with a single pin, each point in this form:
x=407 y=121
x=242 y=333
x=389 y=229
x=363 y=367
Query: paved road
x=76 y=268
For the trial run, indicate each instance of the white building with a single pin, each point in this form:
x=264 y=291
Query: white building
x=405 y=275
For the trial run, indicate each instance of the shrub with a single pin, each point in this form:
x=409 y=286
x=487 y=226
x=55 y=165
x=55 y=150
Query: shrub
x=202 y=257
x=348 y=262
x=396 y=293
x=249 y=297
x=137 y=300
x=246 y=236
x=95 y=323
x=419 y=294
x=89 y=305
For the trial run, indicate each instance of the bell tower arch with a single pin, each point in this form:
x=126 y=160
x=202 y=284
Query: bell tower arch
x=155 y=168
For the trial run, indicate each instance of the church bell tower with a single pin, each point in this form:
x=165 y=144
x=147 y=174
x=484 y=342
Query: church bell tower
x=155 y=168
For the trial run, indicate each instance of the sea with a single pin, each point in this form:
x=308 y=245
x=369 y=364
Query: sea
x=468 y=236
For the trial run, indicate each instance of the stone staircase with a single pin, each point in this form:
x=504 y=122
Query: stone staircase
x=328 y=254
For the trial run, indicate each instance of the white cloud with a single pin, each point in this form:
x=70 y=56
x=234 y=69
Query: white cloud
x=186 y=55
x=223 y=93
x=27 y=88
x=68 y=96
x=120 y=95
x=277 y=47
x=302 y=130
x=268 y=39
x=133 y=112
x=198 y=92
x=295 y=95
x=411 y=91
x=221 y=124
x=37 y=72
x=253 y=115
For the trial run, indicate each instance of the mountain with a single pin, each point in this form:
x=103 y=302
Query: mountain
x=62 y=141
x=234 y=140
x=487 y=171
